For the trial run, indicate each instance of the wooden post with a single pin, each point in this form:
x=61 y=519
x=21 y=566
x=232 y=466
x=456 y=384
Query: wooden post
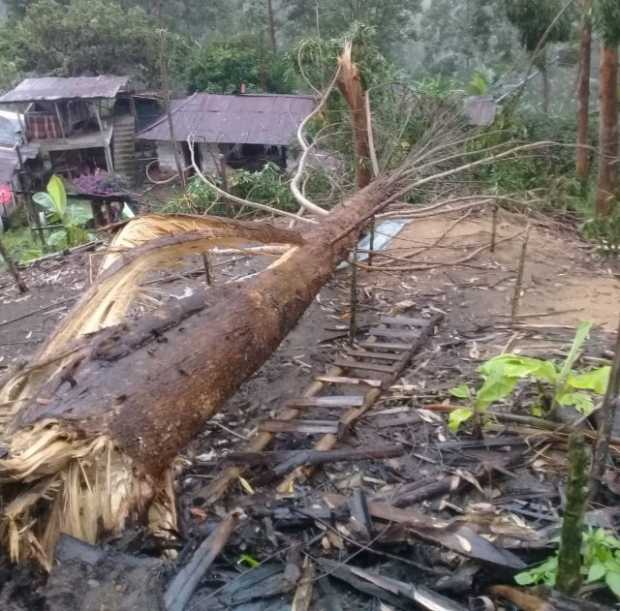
x=59 y=117
x=516 y=298
x=205 y=260
x=353 y=302
x=494 y=227
x=33 y=216
x=371 y=243
x=21 y=285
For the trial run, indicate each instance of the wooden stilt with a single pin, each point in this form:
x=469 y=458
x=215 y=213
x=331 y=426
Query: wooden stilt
x=13 y=269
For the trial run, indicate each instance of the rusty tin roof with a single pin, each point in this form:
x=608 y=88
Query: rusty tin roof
x=269 y=119
x=65 y=88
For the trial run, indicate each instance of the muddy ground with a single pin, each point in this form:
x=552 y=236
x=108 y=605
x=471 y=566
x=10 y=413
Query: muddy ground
x=565 y=282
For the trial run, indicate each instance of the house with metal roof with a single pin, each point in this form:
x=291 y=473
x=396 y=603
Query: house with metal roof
x=245 y=130
x=78 y=123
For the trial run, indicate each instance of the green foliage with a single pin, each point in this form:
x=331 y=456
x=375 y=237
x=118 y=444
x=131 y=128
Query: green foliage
x=59 y=212
x=457 y=35
x=551 y=171
x=478 y=85
x=604 y=232
x=220 y=67
x=600 y=555
x=85 y=37
x=21 y=245
x=268 y=186
x=532 y=18
x=392 y=20
x=501 y=375
x=607 y=20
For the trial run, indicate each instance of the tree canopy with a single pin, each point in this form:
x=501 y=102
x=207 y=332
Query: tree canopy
x=84 y=37
x=607 y=20
x=533 y=18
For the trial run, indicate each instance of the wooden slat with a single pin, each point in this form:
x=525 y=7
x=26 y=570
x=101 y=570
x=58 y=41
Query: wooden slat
x=331 y=401
x=363 y=366
x=380 y=356
x=398 y=333
x=384 y=346
x=404 y=321
x=351 y=381
x=311 y=427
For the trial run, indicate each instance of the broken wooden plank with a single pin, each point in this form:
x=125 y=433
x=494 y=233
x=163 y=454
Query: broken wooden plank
x=218 y=487
x=346 y=380
x=286 y=460
x=328 y=401
x=384 y=346
x=319 y=457
x=345 y=364
x=302 y=600
x=187 y=579
x=404 y=321
x=392 y=590
x=380 y=356
x=400 y=334
x=311 y=427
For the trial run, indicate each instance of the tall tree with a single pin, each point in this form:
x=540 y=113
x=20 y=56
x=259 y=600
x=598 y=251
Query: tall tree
x=271 y=22
x=538 y=21
x=583 y=92
x=607 y=19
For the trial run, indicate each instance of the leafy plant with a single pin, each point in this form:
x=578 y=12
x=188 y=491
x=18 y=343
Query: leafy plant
x=478 y=85
x=501 y=375
x=600 y=555
x=58 y=212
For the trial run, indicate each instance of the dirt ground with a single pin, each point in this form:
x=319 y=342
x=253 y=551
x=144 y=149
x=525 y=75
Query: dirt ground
x=565 y=282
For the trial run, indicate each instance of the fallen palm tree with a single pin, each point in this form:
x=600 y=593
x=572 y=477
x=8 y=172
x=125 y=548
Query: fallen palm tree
x=92 y=426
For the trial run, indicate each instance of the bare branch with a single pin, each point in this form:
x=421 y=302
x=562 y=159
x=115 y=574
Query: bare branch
x=234 y=198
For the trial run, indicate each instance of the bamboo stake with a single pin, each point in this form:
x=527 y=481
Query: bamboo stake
x=494 y=228
x=607 y=417
x=569 y=562
x=21 y=285
x=205 y=261
x=353 y=301
x=516 y=298
x=371 y=245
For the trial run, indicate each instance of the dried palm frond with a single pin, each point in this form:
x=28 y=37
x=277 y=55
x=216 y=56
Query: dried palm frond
x=83 y=484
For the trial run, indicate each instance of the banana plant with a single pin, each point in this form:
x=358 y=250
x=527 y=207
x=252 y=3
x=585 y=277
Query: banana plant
x=501 y=375
x=59 y=212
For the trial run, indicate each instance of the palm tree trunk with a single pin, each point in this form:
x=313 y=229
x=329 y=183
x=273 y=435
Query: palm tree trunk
x=608 y=166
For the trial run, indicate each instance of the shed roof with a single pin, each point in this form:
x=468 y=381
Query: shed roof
x=268 y=119
x=65 y=88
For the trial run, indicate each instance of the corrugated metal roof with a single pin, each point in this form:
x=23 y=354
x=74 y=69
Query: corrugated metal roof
x=63 y=88
x=234 y=119
x=9 y=161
